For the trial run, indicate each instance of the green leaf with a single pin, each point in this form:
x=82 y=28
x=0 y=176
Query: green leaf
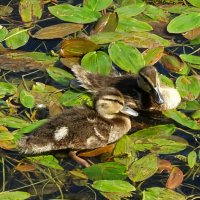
x=13 y=122
x=131 y=24
x=17 y=195
x=74 y=14
x=194 y=3
x=189 y=105
x=98 y=62
x=190 y=58
x=156 y=193
x=196 y=115
x=27 y=99
x=3 y=33
x=182 y=119
x=106 y=171
x=97 y=5
x=192 y=159
x=30 y=10
x=5 y=135
x=7 y=89
x=46 y=160
x=126 y=57
x=113 y=186
x=61 y=76
x=184 y=22
x=143 y=168
x=16 y=38
x=188 y=87
x=166 y=81
x=130 y=10
x=73 y=98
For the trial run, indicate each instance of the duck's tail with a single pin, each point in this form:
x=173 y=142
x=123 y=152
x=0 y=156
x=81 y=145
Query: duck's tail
x=88 y=80
x=34 y=145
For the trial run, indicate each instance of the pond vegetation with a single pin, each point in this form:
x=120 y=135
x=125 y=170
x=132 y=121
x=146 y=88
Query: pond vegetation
x=40 y=42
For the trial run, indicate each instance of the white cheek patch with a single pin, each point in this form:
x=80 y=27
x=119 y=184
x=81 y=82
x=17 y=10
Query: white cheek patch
x=61 y=133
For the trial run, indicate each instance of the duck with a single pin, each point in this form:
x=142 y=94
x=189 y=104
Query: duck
x=83 y=127
x=141 y=92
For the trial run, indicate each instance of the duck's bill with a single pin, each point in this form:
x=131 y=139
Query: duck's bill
x=129 y=111
x=157 y=96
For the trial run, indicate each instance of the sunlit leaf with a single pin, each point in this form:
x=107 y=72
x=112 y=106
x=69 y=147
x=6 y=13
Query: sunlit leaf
x=5 y=10
x=175 y=178
x=153 y=55
x=188 y=87
x=3 y=32
x=130 y=10
x=98 y=62
x=27 y=99
x=5 y=135
x=106 y=171
x=16 y=38
x=59 y=75
x=143 y=168
x=7 y=144
x=46 y=160
x=196 y=115
x=30 y=10
x=194 y=3
x=192 y=159
x=97 y=4
x=13 y=122
x=189 y=105
x=77 y=47
x=113 y=186
x=57 y=31
x=184 y=22
x=190 y=58
x=116 y=195
x=69 y=13
x=73 y=98
x=166 y=81
x=156 y=193
x=16 y=195
x=7 y=89
x=126 y=57
x=182 y=119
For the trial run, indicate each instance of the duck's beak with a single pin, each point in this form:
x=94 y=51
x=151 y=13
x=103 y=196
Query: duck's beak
x=129 y=111
x=157 y=96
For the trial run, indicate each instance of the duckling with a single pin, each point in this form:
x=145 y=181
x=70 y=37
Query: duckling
x=142 y=92
x=82 y=127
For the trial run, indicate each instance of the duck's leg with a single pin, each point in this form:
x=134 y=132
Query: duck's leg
x=72 y=154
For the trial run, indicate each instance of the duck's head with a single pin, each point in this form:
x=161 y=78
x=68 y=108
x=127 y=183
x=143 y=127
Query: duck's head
x=109 y=102
x=148 y=81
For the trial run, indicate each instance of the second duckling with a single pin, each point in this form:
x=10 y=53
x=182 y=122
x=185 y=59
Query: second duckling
x=83 y=127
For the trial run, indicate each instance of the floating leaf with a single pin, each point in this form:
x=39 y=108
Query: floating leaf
x=106 y=171
x=97 y=4
x=131 y=24
x=164 y=165
x=77 y=47
x=61 y=76
x=5 y=10
x=7 y=144
x=14 y=195
x=175 y=178
x=192 y=159
x=143 y=168
x=182 y=119
x=153 y=55
x=126 y=57
x=130 y=10
x=74 y=14
x=113 y=186
x=98 y=62
x=3 y=33
x=25 y=168
x=190 y=58
x=73 y=98
x=196 y=115
x=30 y=10
x=184 y=22
x=16 y=38
x=188 y=87
x=27 y=99
x=5 y=135
x=156 y=193
x=192 y=34
x=166 y=81
x=189 y=105
x=7 y=89
x=46 y=160
x=194 y=3
x=13 y=122
x=57 y=31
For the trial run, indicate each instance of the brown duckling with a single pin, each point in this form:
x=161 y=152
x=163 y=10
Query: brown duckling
x=142 y=92
x=82 y=127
